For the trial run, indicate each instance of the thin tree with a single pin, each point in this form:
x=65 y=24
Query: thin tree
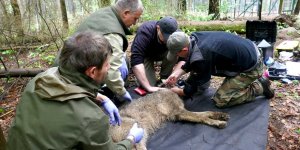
x=17 y=16
x=182 y=6
x=3 y=6
x=297 y=8
x=105 y=3
x=2 y=140
x=5 y=19
x=64 y=15
x=280 y=6
x=259 y=9
x=214 y=8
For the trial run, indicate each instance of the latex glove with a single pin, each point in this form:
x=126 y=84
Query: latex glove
x=127 y=97
x=113 y=112
x=124 y=69
x=136 y=132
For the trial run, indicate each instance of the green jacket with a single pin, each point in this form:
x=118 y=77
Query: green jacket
x=106 y=21
x=56 y=111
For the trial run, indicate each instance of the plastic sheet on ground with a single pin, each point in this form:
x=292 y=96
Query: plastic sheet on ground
x=246 y=130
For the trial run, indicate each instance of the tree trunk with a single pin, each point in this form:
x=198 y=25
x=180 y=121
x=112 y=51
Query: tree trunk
x=213 y=8
x=4 y=8
x=259 y=9
x=182 y=6
x=17 y=15
x=20 y=73
x=105 y=3
x=2 y=140
x=5 y=20
x=297 y=8
x=64 y=15
x=280 y=6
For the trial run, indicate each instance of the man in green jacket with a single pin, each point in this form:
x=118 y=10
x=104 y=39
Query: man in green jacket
x=113 y=22
x=59 y=109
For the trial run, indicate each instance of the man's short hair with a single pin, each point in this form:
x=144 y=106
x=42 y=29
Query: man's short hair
x=131 y=5
x=83 y=50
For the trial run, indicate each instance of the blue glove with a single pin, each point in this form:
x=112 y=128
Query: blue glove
x=136 y=132
x=124 y=69
x=113 y=112
x=126 y=97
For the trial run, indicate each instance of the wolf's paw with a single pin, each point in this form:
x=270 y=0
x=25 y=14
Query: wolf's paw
x=222 y=125
x=223 y=116
x=220 y=116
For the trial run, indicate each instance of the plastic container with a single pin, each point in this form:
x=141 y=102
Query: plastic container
x=258 y=31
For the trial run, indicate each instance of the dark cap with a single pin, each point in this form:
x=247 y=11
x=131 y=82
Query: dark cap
x=167 y=25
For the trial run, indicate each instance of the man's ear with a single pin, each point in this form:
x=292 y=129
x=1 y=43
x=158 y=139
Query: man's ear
x=91 y=71
x=125 y=13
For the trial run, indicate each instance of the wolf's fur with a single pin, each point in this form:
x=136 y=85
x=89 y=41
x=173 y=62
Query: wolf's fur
x=151 y=111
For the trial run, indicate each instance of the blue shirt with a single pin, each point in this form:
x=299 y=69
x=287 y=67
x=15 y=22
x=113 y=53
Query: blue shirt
x=146 y=44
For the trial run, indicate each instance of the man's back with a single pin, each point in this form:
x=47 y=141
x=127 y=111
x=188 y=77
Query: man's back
x=228 y=51
x=56 y=111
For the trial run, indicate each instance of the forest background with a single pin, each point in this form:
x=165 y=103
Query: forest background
x=32 y=32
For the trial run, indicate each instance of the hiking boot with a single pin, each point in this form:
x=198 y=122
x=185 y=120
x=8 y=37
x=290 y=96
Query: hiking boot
x=266 y=84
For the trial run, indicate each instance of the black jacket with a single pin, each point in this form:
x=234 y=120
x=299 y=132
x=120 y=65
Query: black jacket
x=217 y=53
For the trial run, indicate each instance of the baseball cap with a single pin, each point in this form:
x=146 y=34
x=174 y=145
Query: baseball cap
x=176 y=42
x=167 y=25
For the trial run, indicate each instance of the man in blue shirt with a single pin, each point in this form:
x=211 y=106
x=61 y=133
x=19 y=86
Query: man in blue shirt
x=149 y=46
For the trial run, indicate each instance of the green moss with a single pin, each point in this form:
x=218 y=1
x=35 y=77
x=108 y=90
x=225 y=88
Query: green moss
x=238 y=28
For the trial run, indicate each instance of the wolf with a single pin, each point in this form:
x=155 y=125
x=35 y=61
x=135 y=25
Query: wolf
x=152 y=110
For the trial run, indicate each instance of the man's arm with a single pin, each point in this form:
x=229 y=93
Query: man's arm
x=96 y=136
x=113 y=79
x=140 y=74
x=138 y=53
x=176 y=74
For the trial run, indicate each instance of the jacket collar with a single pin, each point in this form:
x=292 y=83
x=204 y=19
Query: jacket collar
x=195 y=53
x=126 y=30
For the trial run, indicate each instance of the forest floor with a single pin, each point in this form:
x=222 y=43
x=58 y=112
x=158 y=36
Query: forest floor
x=284 y=116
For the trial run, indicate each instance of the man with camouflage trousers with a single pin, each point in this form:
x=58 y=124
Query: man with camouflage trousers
x=219 y=54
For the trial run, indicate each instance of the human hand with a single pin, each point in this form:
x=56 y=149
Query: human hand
x=126 y=97
x=152 y=89
x=136 y=132
x=172 y=79
x=178 y=91
x=112 y=111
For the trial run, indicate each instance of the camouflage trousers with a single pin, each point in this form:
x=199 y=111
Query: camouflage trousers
x=240 y=89
x=166 y=68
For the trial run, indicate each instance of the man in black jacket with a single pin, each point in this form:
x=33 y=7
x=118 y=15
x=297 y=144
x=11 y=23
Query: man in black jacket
x=220 y=54
x=149 y=46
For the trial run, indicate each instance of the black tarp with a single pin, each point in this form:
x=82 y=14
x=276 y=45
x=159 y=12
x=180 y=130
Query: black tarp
x=246 y=129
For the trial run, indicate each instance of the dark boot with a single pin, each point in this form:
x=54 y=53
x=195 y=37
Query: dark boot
x=266 y=84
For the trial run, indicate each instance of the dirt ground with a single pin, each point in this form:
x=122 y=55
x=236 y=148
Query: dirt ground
x=284 y=119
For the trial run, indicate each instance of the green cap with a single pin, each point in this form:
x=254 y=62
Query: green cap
x=176 y=42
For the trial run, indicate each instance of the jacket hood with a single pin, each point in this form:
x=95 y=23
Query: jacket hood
x=61 y=85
